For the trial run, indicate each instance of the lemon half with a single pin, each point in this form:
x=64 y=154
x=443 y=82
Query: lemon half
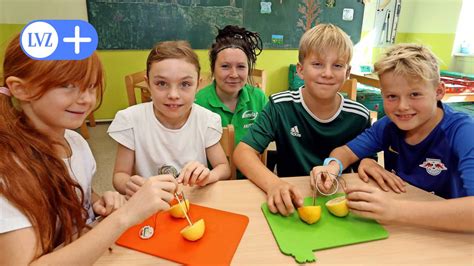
x=338 y=206
x=309 y=214
x=194 y=232
x=177 y=212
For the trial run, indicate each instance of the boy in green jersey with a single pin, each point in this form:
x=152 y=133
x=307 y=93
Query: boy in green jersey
x=307 y=124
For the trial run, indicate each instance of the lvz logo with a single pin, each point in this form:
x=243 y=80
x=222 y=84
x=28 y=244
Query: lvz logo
x=59 y=39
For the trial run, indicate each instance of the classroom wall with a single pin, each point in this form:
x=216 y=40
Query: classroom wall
x=432 y=22
x=429 y=22
x=14 y=14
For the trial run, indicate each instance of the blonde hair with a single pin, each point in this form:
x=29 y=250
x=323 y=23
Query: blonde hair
x=411 y=61
x=323 y=37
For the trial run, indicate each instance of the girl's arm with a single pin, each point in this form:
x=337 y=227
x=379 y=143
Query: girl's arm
x=124 y=163
x=18 y=247
x=220 y=166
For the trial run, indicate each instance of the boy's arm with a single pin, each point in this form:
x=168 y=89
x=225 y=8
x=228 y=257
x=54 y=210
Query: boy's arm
x=282 y=197
x=124 y=163
x=248 y=161
x=218 y=160
x=452 y=214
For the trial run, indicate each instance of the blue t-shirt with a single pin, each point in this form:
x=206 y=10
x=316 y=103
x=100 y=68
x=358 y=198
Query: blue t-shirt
x=442 y=163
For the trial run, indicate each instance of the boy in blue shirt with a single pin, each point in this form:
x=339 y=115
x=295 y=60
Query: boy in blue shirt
x=307 y=124
x=425 y=143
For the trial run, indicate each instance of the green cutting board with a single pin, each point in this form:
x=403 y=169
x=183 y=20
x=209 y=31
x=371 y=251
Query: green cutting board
x=299 y=239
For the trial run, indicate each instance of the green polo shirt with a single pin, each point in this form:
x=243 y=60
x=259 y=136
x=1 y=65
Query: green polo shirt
x=250 y=104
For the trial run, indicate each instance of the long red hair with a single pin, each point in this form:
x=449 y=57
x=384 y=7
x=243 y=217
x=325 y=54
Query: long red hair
x=32 y=176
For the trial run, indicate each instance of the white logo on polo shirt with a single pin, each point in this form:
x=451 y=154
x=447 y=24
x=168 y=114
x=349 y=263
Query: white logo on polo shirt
x=295 y=132
x=249 y=114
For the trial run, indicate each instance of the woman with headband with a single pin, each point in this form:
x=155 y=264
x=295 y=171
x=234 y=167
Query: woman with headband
x=232 y=57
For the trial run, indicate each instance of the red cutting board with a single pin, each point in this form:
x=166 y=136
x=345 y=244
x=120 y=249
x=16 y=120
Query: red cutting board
x=224 y=230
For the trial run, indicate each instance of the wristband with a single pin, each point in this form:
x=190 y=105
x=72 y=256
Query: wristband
x=329 y=159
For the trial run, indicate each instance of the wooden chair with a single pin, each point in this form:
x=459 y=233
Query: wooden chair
x=350 y=87
x=136 y=81
x=228 y=142
x=84 y=130
x=259 y=77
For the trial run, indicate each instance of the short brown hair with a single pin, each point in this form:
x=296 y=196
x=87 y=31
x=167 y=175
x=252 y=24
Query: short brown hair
x=322 y=37
x=173 y=50
x=410 y=60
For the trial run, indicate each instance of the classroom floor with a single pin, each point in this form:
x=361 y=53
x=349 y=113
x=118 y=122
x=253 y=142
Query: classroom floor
x=103 y=147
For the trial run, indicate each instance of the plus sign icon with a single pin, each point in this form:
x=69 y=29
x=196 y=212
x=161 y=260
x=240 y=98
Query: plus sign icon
x=59 y=39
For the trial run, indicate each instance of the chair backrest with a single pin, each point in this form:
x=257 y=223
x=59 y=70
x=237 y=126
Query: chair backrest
x=350 y=87
x=259 y=77
x=228 y=142
x=133 y=81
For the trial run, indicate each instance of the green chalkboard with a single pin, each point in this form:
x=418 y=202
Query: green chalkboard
x=139 y=24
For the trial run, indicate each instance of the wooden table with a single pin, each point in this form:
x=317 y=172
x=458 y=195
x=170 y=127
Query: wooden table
x=405 y=244
x=373 y=80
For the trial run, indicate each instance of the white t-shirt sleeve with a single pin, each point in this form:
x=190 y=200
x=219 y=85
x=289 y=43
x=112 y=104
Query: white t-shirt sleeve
x=121 y=129
x=10 y=217
x=213 y=130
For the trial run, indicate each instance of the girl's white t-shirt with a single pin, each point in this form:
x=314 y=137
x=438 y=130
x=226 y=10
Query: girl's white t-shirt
x=81 y=166
x=138 y=129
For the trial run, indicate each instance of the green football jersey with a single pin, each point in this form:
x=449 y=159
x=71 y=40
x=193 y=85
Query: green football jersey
x=302 y=139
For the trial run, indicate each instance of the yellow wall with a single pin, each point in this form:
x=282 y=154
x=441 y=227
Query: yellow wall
x=431 y=22
x=117 y=64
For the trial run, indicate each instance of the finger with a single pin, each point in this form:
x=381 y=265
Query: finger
x=132 y=187
x=204 y=177
x=182 y=174
x=271 y=205
x=287 y=201
x=312 y=179
x=167 y=197
x=360 y=188
x=109 y=204
x=364 y=214
x=129 y=193
x=400 y=183
x=363 y=175
x=165 y=186
x=380 y=181
x=327 y=181
x=100 y=210
x=196 y=173
x=391 y=182
x=279 y=204
x=137 y=180
x=297 y=197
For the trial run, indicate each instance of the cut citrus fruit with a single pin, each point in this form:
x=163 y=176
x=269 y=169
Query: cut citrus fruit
x=338 y=206
x=194 y=232
x=177 y=212
x=309 y=214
